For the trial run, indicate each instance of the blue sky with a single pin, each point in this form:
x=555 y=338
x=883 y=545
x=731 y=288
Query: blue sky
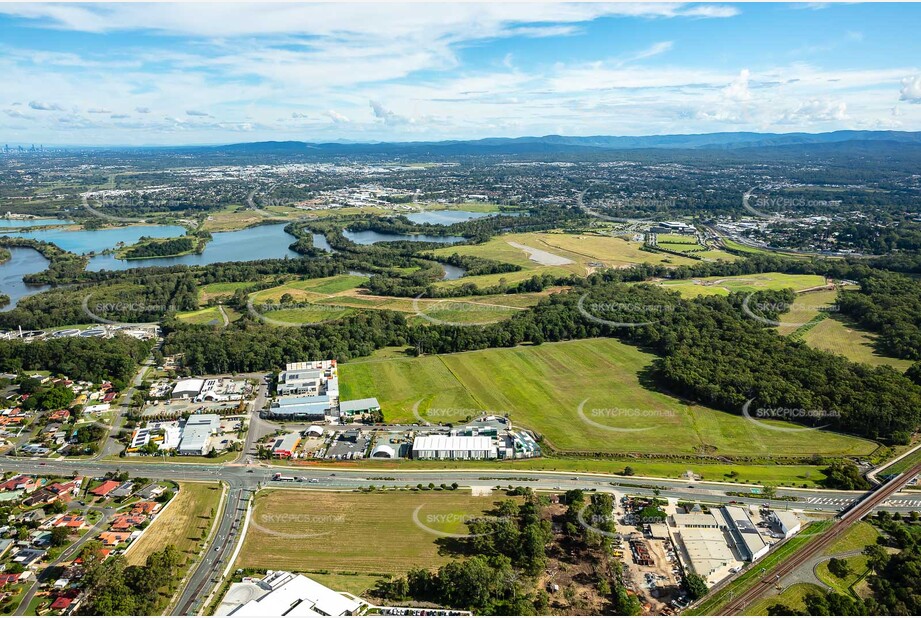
x=217 y=73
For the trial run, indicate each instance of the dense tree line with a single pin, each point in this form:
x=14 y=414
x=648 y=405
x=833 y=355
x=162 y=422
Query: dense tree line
x=79 y=358
x=148 y=248
x=889 y=304
x=115 y=589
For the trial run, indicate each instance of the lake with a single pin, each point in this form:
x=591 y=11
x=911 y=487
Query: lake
x=89 y=241
x=32 y=222
x=263 y=242
x=369 y=237
x=24 y=261
x=255 y=243
x=446 y=217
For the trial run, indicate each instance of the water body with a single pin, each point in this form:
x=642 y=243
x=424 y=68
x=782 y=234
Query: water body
x=24 y=261
x=263 y=242
x=89 y=241
x=32 y=222
x=452 y=272
x=446 y=217
x=369 y=237
x=320 y=242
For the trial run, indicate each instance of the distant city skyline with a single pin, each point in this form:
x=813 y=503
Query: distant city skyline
x=175 y=74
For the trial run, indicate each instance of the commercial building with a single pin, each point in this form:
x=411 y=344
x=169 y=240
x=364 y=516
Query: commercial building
x=744 y=533
x=359 y=406
x=308 y=378
x=705 y=551
x=454 y=447
x=285 y=446
x=695 y=520
x=188 y=388
x=196 y=433
x=307 y=407
x=281 y=593
x=788 y=522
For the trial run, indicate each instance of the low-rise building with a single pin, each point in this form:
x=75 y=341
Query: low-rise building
x=196 y=433
x=287 y=594
x=454 y=447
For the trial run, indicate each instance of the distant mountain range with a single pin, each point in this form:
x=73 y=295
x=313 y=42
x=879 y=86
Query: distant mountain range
x=568 y=144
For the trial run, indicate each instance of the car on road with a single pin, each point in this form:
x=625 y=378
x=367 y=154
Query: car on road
x=250 y=471
x=314 y=480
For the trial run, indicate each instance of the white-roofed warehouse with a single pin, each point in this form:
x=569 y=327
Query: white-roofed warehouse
x=454 y=447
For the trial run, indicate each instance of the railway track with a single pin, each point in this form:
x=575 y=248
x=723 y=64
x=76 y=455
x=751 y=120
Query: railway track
x=845 y=520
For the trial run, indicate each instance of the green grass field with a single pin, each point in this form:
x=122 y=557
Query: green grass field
x=184 y=524
x=793 y=597
x=838 y=335
x=807 y=307
x=350 y=532
x=743 y=283
x=764 y=474
x=542 y=387
x=208 y=315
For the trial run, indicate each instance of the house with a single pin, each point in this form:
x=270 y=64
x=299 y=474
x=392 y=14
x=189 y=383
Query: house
x=105 y=489
x=113 y=538
x=151 y=491
x=21 y=482
x=127 y=522
x=32 y=516
x=69 y=521
x=28 y=556
x=145 y=507
x=9 y=578
x=122 y=491
x=59 y=415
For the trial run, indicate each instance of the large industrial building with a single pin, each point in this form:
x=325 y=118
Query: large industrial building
x=359 y=406
x=306 y=390
x=196 y=433
x=454 y=447
x=281 y=593
x=310 y=407
x=307 y=378
x=188 y=388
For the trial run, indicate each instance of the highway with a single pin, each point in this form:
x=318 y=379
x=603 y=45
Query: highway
x=846 y=519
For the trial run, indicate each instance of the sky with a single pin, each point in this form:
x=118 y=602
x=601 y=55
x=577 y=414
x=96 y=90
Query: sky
x=174 y=74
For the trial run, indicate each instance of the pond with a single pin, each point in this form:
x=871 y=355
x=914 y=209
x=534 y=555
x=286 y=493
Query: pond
x=90 y=241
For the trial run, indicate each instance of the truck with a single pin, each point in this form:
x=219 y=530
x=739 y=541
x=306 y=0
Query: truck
x=278 y=476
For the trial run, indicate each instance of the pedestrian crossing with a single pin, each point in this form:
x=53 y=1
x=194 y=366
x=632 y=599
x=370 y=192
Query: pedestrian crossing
x=842 y=502
x=846 y=502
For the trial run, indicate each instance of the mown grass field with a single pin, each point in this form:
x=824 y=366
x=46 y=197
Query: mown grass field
x=350 y=532
x=743 y=283
x=208 y=315
x=807 y=307
x=765 y=474
x=184 y=524
x=542 y=387
x=793 y=597
x=335 y=297
x=838 y=335
x=581 y=249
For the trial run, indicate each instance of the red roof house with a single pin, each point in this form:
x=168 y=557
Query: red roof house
x=106 y=488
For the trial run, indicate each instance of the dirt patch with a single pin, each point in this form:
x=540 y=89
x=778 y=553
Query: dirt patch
x=544 y=258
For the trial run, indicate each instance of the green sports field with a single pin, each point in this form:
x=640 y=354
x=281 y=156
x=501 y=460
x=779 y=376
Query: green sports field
x=542 y=387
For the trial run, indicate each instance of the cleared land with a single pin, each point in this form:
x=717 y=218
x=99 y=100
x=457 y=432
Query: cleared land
x=335 y=297
x=690 y=288
x=208 y=315
x=837 y=335
x=793 y=597
x=542 y=387
x=184 y=524
x=349 y=532
x=585 y=252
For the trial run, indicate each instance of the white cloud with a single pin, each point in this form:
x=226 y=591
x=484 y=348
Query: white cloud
x=142 y=110
x=336 y=117
x=911 y=89
x=15 y=113
x=815 y=110
x=198 y=113
x=45 y=107
x=98 y=110
x=389 y=117
x=297 y=115
x=738 y=89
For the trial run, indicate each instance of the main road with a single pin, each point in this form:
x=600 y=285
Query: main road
x=243 y=479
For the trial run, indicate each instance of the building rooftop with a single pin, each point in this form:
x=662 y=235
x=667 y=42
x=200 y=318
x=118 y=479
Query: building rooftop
x=359 y=405
x=288 y=594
